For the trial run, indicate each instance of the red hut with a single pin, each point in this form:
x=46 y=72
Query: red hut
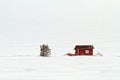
x=82 y=50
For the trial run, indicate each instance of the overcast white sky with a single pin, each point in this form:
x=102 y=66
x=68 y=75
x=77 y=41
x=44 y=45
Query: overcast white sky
x=25 y=24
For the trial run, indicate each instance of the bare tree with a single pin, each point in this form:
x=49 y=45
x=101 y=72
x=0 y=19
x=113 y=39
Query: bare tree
x=99 y=54
x=45 y=50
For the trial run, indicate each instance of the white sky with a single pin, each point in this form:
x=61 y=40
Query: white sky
x=25 y=24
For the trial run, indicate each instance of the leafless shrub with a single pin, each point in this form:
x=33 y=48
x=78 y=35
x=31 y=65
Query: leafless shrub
x=45 y=50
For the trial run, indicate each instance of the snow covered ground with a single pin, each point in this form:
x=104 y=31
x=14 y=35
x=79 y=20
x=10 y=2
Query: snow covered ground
x=59 y=68
x=62 y=24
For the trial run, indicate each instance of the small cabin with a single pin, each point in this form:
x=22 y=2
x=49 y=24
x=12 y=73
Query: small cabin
x=84 y=49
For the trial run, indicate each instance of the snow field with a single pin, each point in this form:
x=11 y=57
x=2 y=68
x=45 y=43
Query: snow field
x=59 y=68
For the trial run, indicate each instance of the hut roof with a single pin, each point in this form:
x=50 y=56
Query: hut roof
x=84 y=47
